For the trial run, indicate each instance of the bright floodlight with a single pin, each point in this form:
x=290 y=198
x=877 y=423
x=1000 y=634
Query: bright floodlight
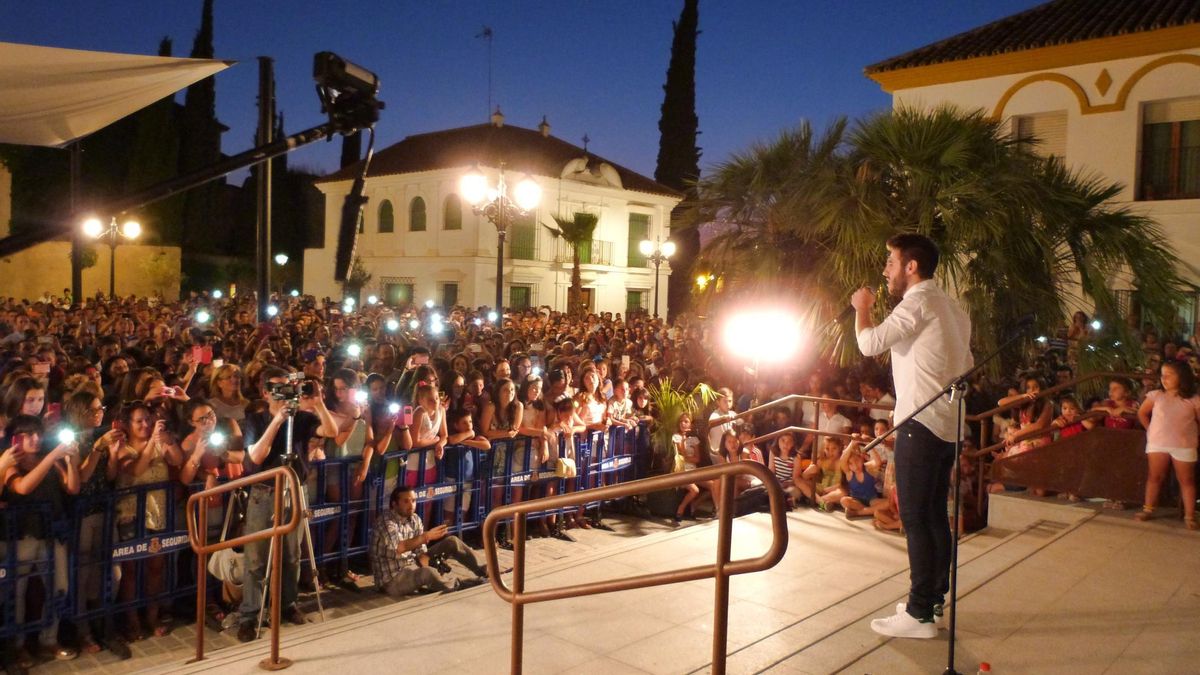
x=354 y=350
x=527 y=194
x=295 y=293
x=217 y=294
x=764 y=335
x=393 y=325
x=646 y=246
x=429 y=304
x=473 y=187
x=93 y=228
x=272 y=310
x=131 y=229
x=492 y=316
x=667 y=248
x=414 y=324
x=1096 y=325
x=281 y=259
x=203 y=316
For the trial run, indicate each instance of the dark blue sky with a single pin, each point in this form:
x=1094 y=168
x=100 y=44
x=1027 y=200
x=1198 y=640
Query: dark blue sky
x=594 y=67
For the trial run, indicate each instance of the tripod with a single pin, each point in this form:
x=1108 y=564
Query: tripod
x=305 y=534
x=956 y=389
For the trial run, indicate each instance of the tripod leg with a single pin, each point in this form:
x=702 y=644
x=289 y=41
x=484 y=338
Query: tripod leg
x=229 y=509
x=306 y=534
x=265 y=591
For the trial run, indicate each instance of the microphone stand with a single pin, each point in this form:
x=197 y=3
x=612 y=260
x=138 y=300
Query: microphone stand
x=956 y=389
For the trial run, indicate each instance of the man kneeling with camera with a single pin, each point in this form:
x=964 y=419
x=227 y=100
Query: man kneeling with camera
x=404 y=557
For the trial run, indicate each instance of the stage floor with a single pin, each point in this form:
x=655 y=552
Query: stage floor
x=1102 y=595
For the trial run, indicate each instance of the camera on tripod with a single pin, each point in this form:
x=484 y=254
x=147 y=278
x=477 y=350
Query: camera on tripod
x=295 y=387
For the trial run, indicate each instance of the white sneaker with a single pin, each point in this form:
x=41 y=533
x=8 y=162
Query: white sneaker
x=902 y=625
x=938 y=618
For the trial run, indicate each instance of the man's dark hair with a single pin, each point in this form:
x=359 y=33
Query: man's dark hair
x=400 y=489
x=268 y=373
x=919 y=248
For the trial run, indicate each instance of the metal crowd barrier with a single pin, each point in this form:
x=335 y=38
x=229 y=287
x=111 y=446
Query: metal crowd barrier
x=468 y=477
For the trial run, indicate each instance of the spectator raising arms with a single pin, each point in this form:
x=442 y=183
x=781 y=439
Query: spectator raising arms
x=1170 y=416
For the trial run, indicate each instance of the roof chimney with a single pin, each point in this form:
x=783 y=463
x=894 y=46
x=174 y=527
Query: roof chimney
x=544 y=127
x=497 y=118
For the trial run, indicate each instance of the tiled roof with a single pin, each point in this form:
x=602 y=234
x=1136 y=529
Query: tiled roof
x=1054 y=23
x=522 y=150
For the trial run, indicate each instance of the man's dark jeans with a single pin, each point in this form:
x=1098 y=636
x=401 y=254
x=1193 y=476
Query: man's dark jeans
x=923 y=465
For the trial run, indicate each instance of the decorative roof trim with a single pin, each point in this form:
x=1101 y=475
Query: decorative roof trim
x=1058 y=56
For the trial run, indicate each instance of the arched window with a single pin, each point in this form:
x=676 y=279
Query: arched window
x=416 y=215
x=452 y=213
x=387 y=220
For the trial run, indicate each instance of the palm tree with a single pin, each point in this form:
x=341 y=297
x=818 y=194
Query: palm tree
x=577 y=231
x=1017 y=232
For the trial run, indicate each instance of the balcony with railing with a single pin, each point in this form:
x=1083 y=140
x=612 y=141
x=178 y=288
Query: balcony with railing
x=594 y=252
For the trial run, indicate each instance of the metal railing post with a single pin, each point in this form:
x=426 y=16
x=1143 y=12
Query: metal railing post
x=721 y=600
x=518 y=608
x=201 y=584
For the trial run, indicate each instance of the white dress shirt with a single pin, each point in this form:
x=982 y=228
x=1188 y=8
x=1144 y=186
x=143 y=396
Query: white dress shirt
x=929 y=336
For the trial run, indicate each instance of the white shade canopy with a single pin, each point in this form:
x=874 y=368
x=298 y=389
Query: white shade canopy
x=51 y=96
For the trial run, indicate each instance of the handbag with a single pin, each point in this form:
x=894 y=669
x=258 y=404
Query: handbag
x=677 y=465
x=565 y=468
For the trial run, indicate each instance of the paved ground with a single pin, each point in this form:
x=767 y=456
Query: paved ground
x=339 y=604
x=1099 y=595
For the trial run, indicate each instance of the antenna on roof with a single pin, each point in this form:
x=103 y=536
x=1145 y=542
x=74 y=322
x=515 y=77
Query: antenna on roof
x=486 y=34
x=586 y=140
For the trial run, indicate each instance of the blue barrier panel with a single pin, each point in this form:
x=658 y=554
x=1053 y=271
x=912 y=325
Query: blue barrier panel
x=16 y=570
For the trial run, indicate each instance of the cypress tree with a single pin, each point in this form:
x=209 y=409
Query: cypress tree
x=155 y=158
x=200 y=145
x=678 y=155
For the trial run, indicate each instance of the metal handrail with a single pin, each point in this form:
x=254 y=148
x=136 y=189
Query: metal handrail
x=812 y=399
x=1090 y=415
x=800 y=430
x=197 y=523
x=720 y=571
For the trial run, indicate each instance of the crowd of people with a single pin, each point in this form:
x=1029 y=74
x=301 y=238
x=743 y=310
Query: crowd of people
x=111 y=394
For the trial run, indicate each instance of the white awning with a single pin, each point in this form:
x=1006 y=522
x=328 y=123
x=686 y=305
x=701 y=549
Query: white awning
x=51 y=96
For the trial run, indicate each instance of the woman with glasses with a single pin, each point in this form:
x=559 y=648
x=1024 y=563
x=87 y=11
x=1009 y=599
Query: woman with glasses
x=225 y=393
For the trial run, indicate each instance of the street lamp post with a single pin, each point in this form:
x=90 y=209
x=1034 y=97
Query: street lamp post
x=501 y=209
x=657 y=252
x=130 y=229
x=281 y=259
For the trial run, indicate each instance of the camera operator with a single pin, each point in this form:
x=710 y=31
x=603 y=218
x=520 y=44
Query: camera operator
x=404 y=557
x=265 y=436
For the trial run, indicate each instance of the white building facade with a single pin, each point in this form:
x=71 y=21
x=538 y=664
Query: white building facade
x=1124 y=105
x=420 y=241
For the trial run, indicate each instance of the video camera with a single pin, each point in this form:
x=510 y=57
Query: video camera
x=347 y=92
x=295 y=387
x=438 y=562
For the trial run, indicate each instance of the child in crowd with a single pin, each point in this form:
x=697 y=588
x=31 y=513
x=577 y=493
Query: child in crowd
x=785 y=463
x=1120 y=408
x=825 y=475
x=1171 y=416
x=861 y=497
x=429 y=424
x=1070 y=422
x=461 y=466
x=687 y=446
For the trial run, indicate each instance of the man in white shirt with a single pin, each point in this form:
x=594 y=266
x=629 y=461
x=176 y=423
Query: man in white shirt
x=873 y=393
x=829 y=419
x=929 y=337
